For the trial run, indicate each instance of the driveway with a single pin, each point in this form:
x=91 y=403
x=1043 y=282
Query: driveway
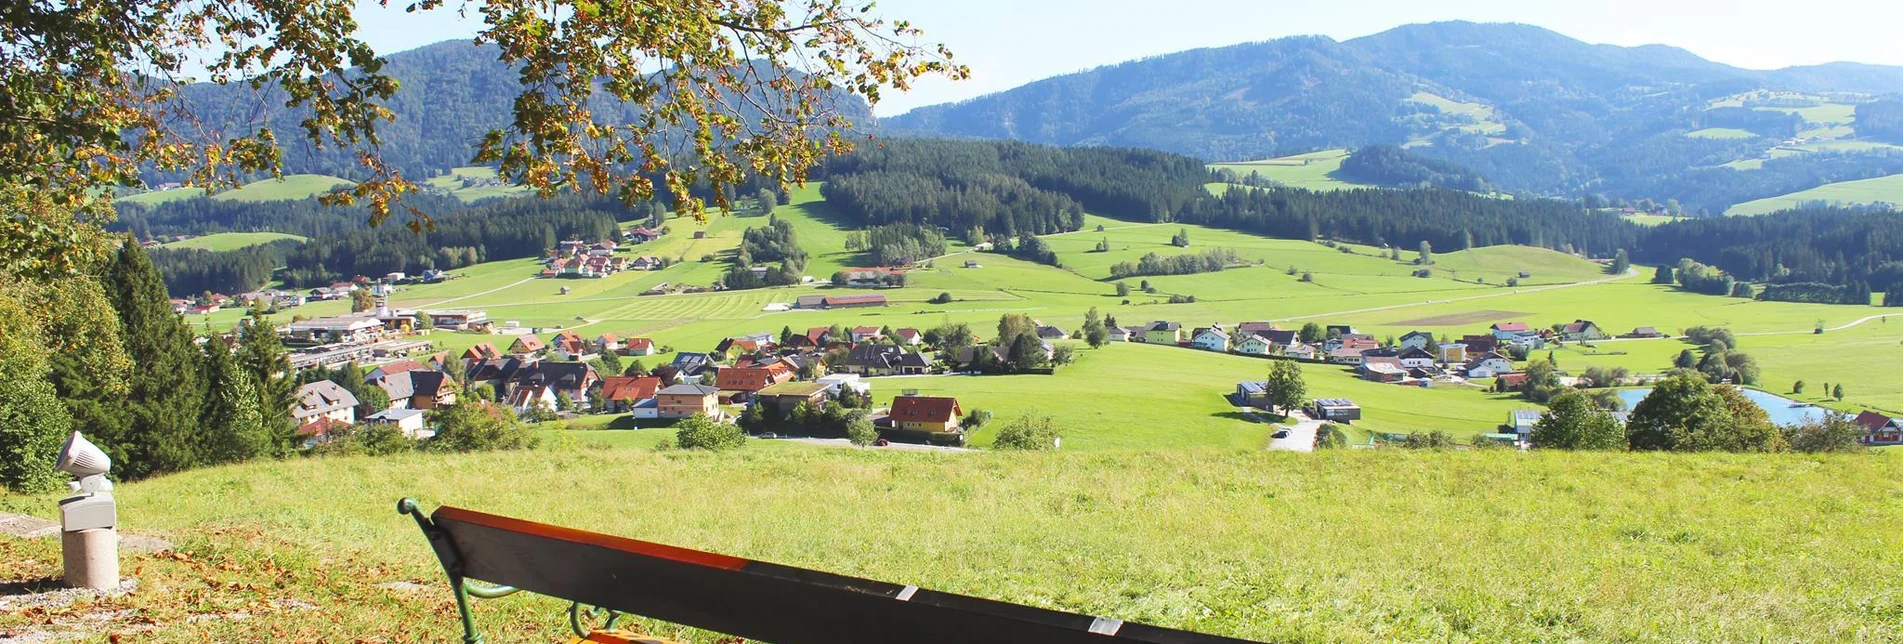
x=1301 y=436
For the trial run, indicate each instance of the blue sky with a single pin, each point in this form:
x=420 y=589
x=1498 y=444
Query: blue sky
x=1008 y=43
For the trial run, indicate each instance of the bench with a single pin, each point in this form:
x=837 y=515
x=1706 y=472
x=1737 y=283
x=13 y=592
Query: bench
x=605 y=577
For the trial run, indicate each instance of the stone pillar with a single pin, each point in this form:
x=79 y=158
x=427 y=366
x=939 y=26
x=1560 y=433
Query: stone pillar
x=92 y=558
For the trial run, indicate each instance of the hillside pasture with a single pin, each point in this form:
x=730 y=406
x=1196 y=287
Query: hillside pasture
x=290 y=188
x=1311 y=171
x=1880 y=190
x=1721 y=133
x=229 y=241
x=156 y=197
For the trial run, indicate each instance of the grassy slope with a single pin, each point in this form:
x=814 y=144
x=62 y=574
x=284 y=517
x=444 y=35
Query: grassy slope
x=1350 y=546
x=289 y=188
x=1311 y=171
x=157 y=197
x=1721 y=133
x=451 y=182
x=1864 y=191
x=230 y=241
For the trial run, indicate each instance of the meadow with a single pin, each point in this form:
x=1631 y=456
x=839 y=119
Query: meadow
x=1311 y=171
x=1349 y=546
x=452 y=182
x=229 y=241
x=1721 y=133
x=1880 y=190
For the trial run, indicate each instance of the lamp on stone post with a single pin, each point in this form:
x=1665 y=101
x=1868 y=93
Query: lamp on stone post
x=89 y=542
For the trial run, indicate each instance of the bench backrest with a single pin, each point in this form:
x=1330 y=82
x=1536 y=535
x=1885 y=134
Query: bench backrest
x=753 y=599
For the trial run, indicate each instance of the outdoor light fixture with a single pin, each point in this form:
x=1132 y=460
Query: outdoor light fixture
x=89 y=542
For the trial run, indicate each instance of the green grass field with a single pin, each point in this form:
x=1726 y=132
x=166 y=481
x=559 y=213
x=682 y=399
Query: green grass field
x=230 y=241
x=157 y=197
x=1310 y=171
x=290 y=188
x=1485 y=123
x=1886 y=190
x=1352 y=546
x=1650 y=220
x=452 y=183
x=1721 y=133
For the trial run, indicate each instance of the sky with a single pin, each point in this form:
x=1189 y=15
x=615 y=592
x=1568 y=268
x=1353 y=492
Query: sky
x=1008 y=43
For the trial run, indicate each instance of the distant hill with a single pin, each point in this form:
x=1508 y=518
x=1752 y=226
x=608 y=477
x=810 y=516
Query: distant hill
x=1528 y=109
x=451 y=93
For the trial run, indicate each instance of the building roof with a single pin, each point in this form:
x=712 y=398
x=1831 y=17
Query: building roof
x=796 y=388
x=1577 y=326
x=1510 y=327
x=1253 y=387
x=1164 y=325
x=320 y=426
x=629 y=387
x=1212 y=330
x=1490 y=355
x=839 y=300
x=394 y=415
x=569 y=376
x=642 y=344
x=1376 y=365
x=909 y=333
x=1873 y=421
x=1338 y=403
x=1418 y=333
x=925 y=409
x=689 y=390
x=323 y=396
x=691 y=363
x=1416 y=353
x=527 y=344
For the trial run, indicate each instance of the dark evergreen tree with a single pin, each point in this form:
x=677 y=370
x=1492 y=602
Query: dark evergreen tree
x=166 y=391
x=234 y=425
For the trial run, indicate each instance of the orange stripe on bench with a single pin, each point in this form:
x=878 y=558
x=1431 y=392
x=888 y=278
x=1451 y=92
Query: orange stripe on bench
x=635 y=546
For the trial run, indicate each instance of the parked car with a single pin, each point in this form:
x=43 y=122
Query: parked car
x=769 y=435
x=881 y=443
x=1280 y=433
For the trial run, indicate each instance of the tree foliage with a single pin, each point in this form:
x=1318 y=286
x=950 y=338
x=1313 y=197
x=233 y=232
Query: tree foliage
x=700 y=432
x=1028 y=432
x=1574 y=421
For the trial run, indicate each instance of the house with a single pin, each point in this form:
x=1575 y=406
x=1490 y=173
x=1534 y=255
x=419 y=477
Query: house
x=1299 y=351
x=928 y=418
x=1645 y=332
x=410 y=421
x=1418 y=340
x=681 y=401
x=622 y=393
x=846 y=383
x=1416 y=358
x=1504 y=330
x=866 y=333
x=542 y=380
x=1281 y=338
x=459 y=320
x=910 y=337
x=646 y=263
x=1452 y=352
x=1335 y=410
x=1210 y=339
x=1879 y=429
x=1254 y=327
x=875 y=276
x=1382 y=369
x=1333 y=330
x=1051 y=332
x=570 y=345
x=1255 y=345
x=1253 y=393
x=638 y=347
x=810 y=302
x=851 y=301
x=751 y=379
x=527 y=345
x=1487 y=365
x=388 y=369
x=1122 y=334
x=324 y=400
x=1581 y=331
x=787 y=396
x=607 y=343
x=496 y=373
x=883 y=360
x=1163 y=332
x=418 y=389
x=1521 y=421
x=692 y=365
x=641 y=235
x=1480 y=344
x=1510 y=380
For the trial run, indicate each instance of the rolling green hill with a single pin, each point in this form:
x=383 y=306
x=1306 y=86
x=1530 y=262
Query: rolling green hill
x=290 y=188
x=229 y=241
x=1881 y=190
x=1311 y=171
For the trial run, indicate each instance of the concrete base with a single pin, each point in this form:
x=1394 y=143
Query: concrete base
x=92 y=558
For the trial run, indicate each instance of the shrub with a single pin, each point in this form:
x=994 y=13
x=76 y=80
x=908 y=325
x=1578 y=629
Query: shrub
x=478 y=427
x=1330 y=436
x=1028 y=432
x=1835 y=433
x=700 y=432
x=1436 y=439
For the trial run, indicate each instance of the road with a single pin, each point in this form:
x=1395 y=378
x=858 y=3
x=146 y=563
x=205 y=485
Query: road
x=1301 y=436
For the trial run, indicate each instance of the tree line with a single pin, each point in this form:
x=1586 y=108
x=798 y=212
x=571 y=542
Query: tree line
x=1208 y=260
x=190 y=271
x=1824 y=245
x=1390 y=165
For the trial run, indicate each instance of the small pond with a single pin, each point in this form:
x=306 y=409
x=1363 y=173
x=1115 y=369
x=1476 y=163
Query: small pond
x=1777 y=407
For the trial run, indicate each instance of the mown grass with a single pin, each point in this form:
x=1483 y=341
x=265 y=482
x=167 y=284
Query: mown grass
x=1880 y=190
x=1312 y=171
x=1352 y=546
x=229 y=241
x=290 y=188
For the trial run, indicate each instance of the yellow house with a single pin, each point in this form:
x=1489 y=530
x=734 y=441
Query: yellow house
x=926 y=415
x=1162 y=332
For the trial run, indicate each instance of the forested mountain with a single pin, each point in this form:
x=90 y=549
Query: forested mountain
x=450 y=94
x=1530 y=110
x=1387 y=165
x=1826 y=245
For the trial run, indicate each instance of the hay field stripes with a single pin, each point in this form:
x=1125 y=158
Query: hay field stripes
x=1629 y=274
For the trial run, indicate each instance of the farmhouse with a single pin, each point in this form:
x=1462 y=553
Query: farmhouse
x=681 y=401
x=1480 y=344
x=1504 y=330
x=459 y=320
x=1510 y=380
x=851 y=301
x=1335 y=410
x=1210 y=339
x=910 y=337
x=1645 y=332
x=691 y=365
x=570 y=345
x=1879 y=429
x=418 y=389
x=866 y=334
x=1581 y=331
x=638 y=347
x=1299 y=351
x=527 y=345
x=1163 y=332
x=647 y=263
x=1252 y=328
x=1050 y=332
x=1416 y=358
x=750 y=379
x=927 y=418
x=883 y=360
x=1122 y=334
x=607 y=343
x=541 y=381
x=810 y=302
x=875 y=276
